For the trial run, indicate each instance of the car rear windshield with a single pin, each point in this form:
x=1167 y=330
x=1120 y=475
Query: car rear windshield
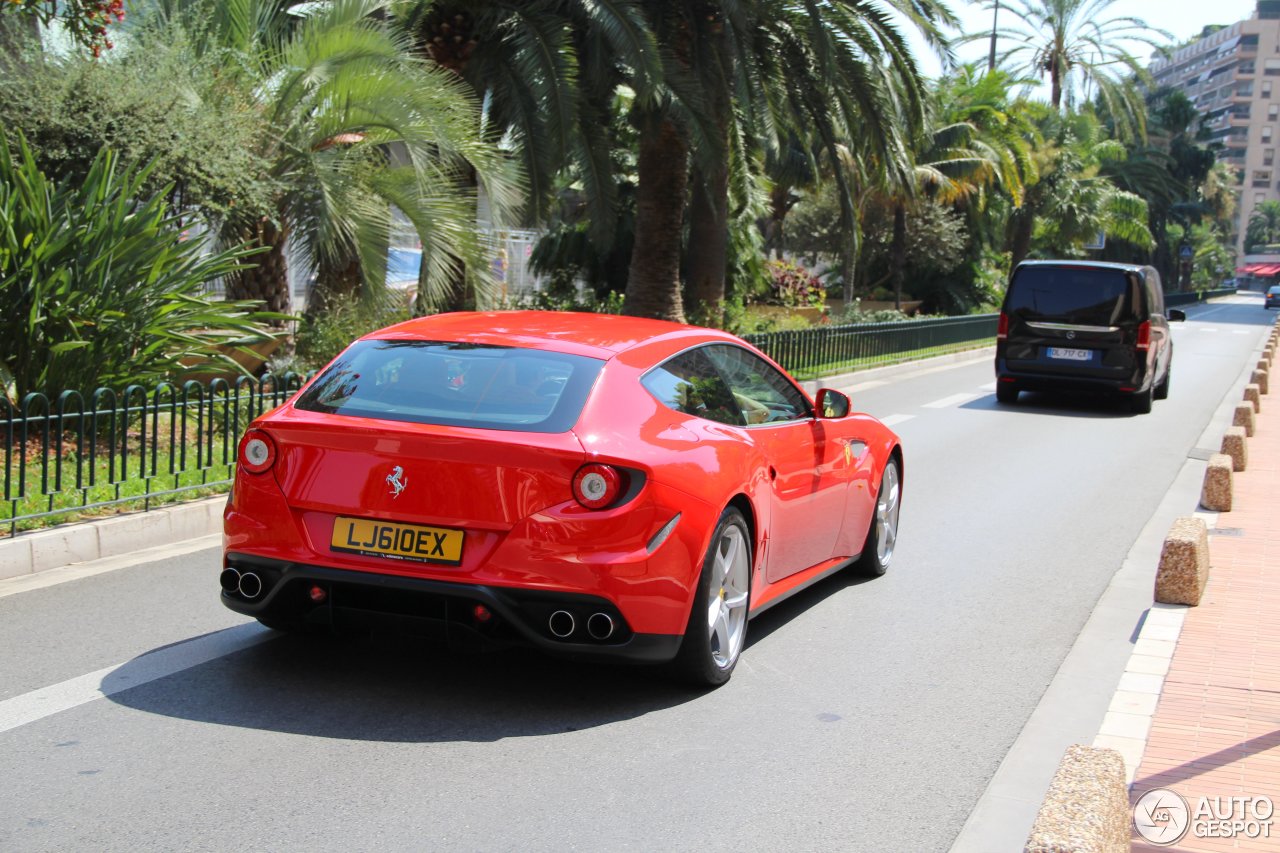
x=456 y=384
x=1081 y=296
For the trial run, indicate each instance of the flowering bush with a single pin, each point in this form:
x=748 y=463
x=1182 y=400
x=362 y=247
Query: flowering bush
x=85 y=20
x=794 y=286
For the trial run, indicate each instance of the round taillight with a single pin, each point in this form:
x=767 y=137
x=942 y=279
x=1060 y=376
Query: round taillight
x=595 y=486
x=257 y=451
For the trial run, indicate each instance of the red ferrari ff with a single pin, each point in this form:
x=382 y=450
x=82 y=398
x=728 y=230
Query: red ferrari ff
x=592 y=485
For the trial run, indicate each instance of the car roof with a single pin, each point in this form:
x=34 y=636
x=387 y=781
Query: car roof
x=594 y=335
x=1109 y=265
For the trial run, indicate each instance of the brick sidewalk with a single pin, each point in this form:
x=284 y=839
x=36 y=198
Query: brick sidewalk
x=1216 y=729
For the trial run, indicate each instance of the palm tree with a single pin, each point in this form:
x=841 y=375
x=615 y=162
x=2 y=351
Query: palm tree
x=743 y=75
x=1073 y=200
x=1264 y=225
x=353 y=124
x=1076 y=45
x=546 y=73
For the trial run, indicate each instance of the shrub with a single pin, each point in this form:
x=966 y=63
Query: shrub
x=346 y=317
x=793 y=286
x=99 y=285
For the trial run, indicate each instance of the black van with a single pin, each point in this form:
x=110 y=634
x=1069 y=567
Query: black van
x=1085 y=325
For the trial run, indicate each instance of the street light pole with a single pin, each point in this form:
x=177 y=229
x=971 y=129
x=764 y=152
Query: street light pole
x=991 y=58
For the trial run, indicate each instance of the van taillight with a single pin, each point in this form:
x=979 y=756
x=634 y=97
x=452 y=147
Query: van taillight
x=1144 y=336
x=1002 y=327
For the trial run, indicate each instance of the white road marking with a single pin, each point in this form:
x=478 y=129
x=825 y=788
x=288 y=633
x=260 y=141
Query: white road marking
x=894 y=420
x=47 y=701
x=1208 y=329
x=1241 y=331
x=946 y=402
x=989 y=387
x=75 y=571
x=866 y=386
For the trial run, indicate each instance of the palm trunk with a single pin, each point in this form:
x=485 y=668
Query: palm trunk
x=1020 y=230
x=898 y=253
x=653 y=280
x=268 y=280
x=708 y=243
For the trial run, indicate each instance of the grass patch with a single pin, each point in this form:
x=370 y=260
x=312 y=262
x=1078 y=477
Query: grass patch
x=849 y=365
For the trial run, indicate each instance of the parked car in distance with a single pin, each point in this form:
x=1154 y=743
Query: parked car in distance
x=1273 y=296
x=591 y=485
x=1085 y=325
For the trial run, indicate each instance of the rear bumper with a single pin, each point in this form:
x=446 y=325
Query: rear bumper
x=1040 y=380
x=429 y=606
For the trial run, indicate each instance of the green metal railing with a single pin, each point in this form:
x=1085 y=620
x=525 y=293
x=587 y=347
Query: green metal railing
x=143 y=446
x=808 y=353
x=1193 y=296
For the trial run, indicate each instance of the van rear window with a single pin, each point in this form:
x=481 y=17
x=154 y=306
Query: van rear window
x=1080 y=296
x=443 y=382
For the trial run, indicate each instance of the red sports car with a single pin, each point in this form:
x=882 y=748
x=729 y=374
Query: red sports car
x=592 y=485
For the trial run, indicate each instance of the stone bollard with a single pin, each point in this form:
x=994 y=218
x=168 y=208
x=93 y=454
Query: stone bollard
x=1244 y=418
x=1259 y=378
x=1253 y=394
x=1184 y=563
x=1235 y=446
x=1215 y=494
x=1086 y=807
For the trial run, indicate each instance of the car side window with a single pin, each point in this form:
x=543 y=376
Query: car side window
x=763 y=394
x=689 y=383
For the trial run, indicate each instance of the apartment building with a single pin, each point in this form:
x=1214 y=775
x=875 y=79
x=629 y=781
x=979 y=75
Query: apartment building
x=1233 y=77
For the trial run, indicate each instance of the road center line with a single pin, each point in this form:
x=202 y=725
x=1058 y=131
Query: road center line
x=894 y=420
x=47 y=701
x=953 y=400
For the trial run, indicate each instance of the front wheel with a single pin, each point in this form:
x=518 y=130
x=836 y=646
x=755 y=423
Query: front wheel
x=717 y=628
x=882 y=535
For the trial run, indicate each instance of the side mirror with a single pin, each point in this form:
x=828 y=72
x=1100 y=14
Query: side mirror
x=1177 y=315
x=832 y=404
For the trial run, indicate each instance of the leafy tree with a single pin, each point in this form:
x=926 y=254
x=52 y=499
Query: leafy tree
x=100 y=283
x=155 y=103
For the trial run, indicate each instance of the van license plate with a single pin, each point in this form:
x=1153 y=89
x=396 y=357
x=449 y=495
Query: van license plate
x=397 y=541
x=1070 y=354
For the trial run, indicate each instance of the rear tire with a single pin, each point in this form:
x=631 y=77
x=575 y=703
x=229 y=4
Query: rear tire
x=717 y=627
x=1162 y=390
x=1141 y=402
x=1006 y=393
x=882 y=535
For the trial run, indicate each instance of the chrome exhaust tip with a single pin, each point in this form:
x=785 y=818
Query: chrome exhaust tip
x=229 y=580
x=250 y=585
x=561 y=623
x=600 y=626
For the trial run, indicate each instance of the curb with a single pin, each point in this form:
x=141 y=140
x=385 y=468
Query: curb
x=30 y=553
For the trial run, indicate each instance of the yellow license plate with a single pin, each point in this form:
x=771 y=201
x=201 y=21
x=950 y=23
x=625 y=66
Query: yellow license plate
x=397 y=541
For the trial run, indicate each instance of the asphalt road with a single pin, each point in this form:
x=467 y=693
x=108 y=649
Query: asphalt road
x=864 y=715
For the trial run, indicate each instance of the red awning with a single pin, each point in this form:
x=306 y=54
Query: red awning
x=1259 y=269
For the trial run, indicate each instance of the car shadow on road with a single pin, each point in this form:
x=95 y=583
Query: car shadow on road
x=394 y=688
x=1065 y=404
x=400 y=689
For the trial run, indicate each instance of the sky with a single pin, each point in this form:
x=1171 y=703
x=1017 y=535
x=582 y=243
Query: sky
x=1182 y=18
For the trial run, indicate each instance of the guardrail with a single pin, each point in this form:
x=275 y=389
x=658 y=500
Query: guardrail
x=808 y=353
x=140 y=445
x=1193 y=296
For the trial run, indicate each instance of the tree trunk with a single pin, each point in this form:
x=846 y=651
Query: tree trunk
x=268 y=281
x=334 y=281
x=708 y=252
x=653 y=281
x=898 y=253
x=1020 y=230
